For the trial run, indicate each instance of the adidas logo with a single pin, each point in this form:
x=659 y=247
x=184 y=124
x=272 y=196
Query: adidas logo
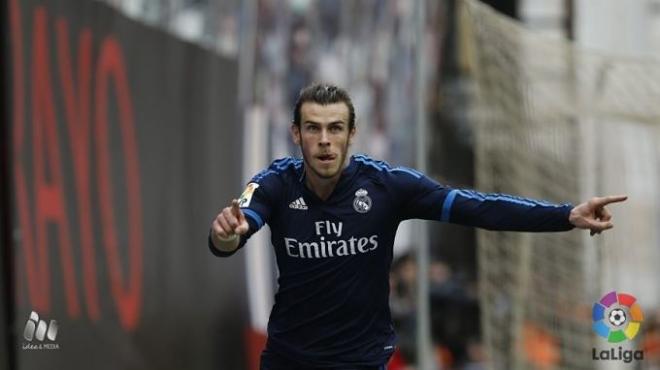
x=298 y=204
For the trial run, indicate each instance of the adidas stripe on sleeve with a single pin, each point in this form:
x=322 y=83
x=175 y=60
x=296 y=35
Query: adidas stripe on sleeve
x=424 y=198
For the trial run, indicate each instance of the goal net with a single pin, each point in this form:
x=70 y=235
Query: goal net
x=557 y=122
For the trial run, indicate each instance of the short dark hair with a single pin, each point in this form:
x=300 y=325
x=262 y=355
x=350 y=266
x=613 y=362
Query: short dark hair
x=323 y=93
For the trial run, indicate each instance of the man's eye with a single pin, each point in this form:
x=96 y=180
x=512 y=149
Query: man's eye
x=312 y=128
x=336 y=128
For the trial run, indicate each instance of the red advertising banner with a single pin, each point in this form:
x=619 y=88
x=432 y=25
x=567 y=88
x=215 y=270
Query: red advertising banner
x=117 y=135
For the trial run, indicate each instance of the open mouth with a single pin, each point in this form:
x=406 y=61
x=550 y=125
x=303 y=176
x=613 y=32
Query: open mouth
x=326 y=158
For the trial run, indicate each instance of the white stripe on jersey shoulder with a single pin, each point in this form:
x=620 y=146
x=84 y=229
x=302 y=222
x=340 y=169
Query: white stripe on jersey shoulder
x=384 y=166
x=278 y=166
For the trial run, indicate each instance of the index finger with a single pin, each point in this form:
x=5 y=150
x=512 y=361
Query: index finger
x=236 y=210
x=610 y=199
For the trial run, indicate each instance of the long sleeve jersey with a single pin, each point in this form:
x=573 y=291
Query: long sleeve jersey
x=331 y=307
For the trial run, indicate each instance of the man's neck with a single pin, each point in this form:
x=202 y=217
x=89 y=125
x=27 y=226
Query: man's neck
x=322 y=187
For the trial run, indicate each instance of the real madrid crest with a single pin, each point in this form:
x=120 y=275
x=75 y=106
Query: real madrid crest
x=362 y=202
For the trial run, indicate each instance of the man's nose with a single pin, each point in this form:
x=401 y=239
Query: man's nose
x=325 y=138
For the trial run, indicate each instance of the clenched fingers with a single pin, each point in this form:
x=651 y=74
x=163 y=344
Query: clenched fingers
x=230 y=217
x=224 y=225
x=597 y=227
x=603 y=214
x=218 y=229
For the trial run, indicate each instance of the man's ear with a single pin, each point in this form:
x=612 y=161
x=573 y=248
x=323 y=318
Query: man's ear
x=295 y=133
x=351 y=133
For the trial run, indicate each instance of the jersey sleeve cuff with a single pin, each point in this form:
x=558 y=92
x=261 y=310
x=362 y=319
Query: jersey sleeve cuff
x=217 y=252
x=567 y=213
x=253 y=216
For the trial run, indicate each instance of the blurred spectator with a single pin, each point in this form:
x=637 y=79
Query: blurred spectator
x=454 y=314
x=476 y=355
x=403 y=278
x=650 y=342
x=540 y=347
x=227 y=39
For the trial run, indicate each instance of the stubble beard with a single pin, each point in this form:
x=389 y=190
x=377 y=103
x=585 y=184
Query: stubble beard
x=341 y=161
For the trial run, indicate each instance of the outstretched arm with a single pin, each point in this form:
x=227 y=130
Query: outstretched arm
x=424 y=198
x=593 y=215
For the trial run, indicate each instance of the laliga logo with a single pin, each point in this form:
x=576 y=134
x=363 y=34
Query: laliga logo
x=617 y=317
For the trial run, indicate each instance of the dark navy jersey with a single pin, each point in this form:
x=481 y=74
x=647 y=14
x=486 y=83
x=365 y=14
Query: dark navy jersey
x=334 y=255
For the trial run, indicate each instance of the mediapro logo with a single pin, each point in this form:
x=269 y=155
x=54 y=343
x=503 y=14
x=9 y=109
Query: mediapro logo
x=37 y=331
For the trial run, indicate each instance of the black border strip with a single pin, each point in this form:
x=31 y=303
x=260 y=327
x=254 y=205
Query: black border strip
x=6 y=245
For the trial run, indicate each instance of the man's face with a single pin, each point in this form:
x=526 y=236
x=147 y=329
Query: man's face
x=323 y=137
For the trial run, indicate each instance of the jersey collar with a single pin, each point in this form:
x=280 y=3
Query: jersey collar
x=345 y=180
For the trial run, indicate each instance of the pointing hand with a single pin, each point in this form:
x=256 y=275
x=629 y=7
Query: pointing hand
x=593 y=215
x=230 y=223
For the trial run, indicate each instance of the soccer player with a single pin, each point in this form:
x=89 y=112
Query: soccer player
x=333 y=219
